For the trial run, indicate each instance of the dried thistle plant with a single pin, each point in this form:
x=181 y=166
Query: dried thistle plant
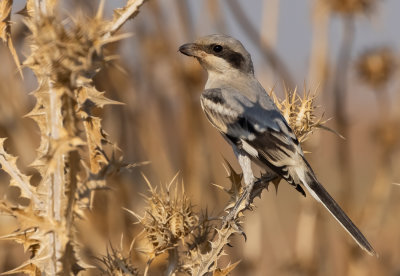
x=168 y=222
x=71 y=160
x=172 y=227
x=376 y=66
x=351 y=6
x=300 y=112
x=169 y=218
x=117 y=264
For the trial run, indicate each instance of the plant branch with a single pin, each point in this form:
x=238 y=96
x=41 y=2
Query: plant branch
x=128 y=12
x=230 y=224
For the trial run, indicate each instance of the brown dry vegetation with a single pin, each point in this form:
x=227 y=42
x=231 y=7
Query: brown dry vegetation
x=110 y=117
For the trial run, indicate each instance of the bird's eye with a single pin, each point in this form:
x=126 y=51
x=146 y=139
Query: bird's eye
x=217 y=48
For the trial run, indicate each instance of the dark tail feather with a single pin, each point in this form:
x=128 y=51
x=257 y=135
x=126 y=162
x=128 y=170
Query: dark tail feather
x=320 y=194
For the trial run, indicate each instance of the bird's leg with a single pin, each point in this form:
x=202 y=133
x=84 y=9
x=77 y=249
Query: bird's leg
x=244 y=200
x=245 y=164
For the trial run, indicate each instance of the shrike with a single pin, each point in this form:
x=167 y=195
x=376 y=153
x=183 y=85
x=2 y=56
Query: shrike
x=238 y=106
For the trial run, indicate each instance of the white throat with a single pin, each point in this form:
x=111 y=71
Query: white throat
x=231 y=77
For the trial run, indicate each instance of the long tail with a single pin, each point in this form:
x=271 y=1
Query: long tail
x=320 y=194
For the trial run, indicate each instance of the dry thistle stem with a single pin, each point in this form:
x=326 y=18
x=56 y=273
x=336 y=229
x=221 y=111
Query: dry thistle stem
x=376 y=66
x=72 y=163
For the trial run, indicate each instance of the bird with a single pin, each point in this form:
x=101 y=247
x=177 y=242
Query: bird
x=237 y=105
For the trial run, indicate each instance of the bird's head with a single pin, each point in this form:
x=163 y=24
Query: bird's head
x=219 y=53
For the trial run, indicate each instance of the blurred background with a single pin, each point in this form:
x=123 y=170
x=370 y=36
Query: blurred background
x=346 y=50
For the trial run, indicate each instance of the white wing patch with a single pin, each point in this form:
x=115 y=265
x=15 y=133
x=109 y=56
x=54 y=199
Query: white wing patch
x=259 y=128
x=249 y=149
x=220 y=109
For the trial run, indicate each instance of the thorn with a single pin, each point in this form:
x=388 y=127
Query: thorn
x=137 y=164
x=100 y=10
x=139 y=218
x=147 y=182
x=244 y=236
x=218 y=186
x=276 y=188
x=172 y=180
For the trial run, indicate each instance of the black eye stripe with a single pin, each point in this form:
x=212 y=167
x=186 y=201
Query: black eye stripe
x=235 y=59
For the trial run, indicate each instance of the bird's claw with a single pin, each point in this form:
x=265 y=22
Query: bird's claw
x=243 y=203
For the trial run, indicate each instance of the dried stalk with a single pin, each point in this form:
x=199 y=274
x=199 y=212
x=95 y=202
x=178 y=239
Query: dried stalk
x=122 y=15
x=269 y=25
x=340 y=100
x=318 y=69
x=63 y=59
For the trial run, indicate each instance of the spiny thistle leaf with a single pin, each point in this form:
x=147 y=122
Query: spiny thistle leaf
x=236 y=181
x=8 y=163
x=129 y=11
x=28 y=9
x=22 y=237
x=27 y=267
x=225 y=271
x=40 y=232
x=88 y=98
x=201 y=263
x=5 y=30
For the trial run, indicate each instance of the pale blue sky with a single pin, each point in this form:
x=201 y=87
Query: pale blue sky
x=294 y=27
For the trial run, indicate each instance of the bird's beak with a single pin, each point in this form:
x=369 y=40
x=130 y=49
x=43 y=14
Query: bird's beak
x=189 y=49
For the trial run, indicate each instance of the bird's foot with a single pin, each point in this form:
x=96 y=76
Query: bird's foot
x=246 y=198
x=241 y=204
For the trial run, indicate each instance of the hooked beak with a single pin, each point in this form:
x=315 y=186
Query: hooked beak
x=189 y=49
